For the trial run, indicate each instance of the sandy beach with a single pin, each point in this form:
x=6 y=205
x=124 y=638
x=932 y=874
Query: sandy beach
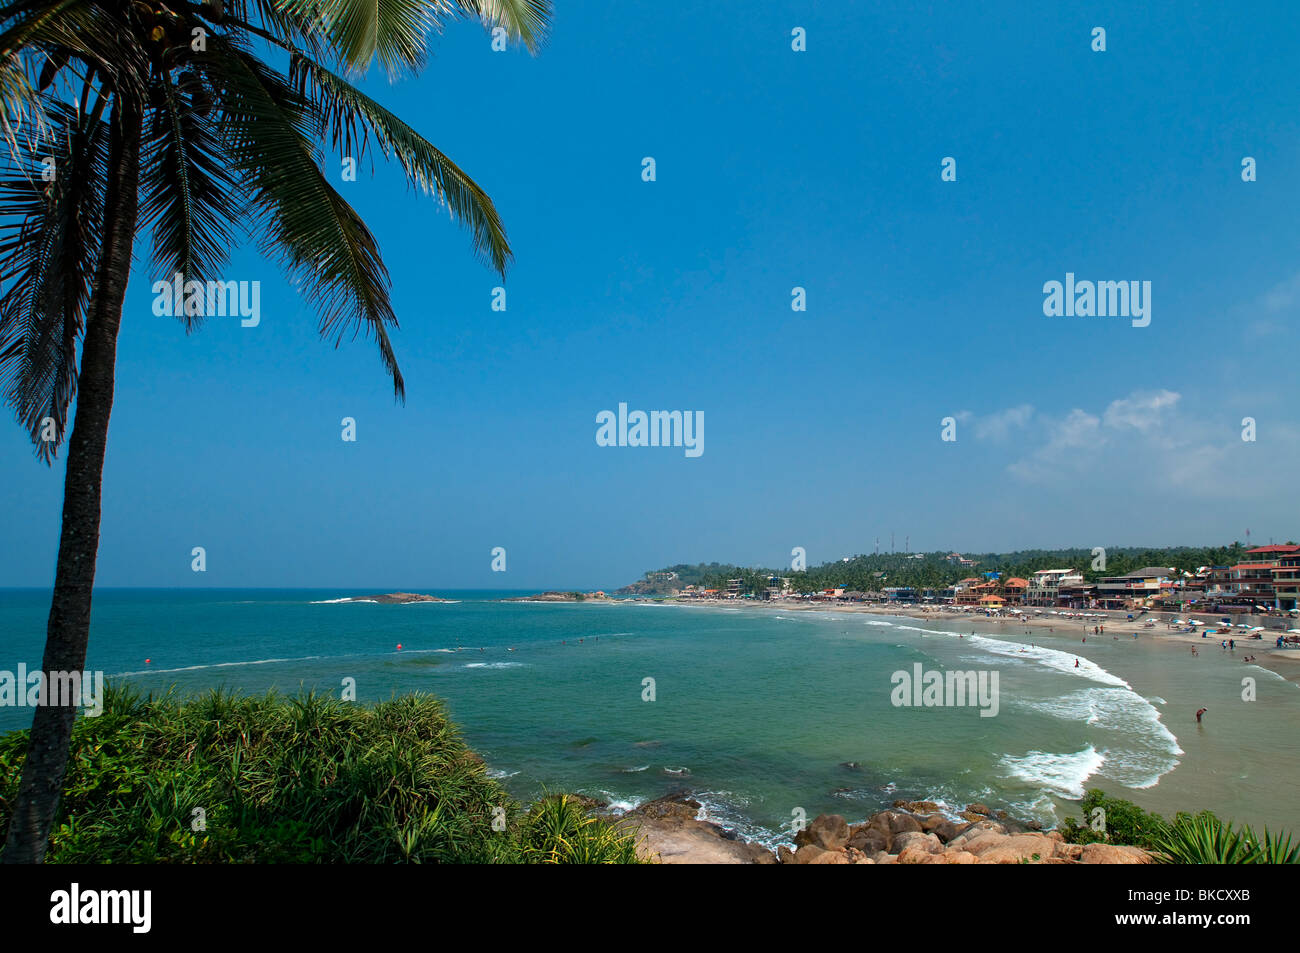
x=1052 y=628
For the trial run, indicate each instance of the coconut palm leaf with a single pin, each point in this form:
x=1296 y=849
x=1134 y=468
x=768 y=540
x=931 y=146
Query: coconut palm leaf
x=48 y=242
x=350 y=117
x=301 y=219
x=191 y=198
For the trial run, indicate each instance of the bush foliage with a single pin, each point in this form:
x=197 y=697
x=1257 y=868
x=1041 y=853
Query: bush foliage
x=268 y=779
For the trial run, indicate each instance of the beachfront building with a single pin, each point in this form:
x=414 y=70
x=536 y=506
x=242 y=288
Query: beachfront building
x=1133 y=589
x=1076 y=594
x=900 y=594
x=1254 y=583
x=966 y=592
x=1286 y=582
x=1045 y=585
x=1013 y=590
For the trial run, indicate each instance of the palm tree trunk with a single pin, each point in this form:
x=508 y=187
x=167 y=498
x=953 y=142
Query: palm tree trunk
x=68 y=630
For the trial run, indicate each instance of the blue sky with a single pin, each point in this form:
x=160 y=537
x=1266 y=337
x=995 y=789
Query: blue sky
x=775 y=169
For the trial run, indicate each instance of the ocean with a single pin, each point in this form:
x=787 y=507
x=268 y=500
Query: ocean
x=760 y=713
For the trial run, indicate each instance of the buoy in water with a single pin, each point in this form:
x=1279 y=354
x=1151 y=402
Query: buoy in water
x=147 y=661
x=399 y=646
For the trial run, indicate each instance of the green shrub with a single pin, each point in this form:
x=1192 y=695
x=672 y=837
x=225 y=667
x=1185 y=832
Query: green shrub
x=294 y=780
x=1190 y=839
x=1204 y=839
x=1126 y=823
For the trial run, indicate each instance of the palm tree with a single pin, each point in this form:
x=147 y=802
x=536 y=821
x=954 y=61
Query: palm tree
x=126 y=116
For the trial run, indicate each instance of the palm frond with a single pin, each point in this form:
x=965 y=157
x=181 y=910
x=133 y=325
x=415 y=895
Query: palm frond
x=189 y=197
x=49 y=241
x=525 y=21
x=300 y=218
x=350 y=117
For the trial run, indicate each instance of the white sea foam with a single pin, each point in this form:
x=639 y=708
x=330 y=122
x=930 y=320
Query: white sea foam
x=496 y=665
x=618 y=803
x=1063 y=774
x=195 y=668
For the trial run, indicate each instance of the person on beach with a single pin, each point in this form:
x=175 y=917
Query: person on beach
x=1076 y=663
x=1232 y=645
x=1199 y=713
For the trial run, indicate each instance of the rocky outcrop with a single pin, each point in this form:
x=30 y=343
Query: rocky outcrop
x=396 y=598
x=901 y=837
x=669 y=831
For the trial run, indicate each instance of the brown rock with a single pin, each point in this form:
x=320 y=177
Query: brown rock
x=915 y=839
x=784 y=855
x=869 y=840
x=976 y=830
x=918 y=855
x=978 y=808
x=918 y=807
x=993 y=848
x=1112 y=854
x=940 y=826
x=827 y=831
x=831 y=857
x=807 y=853
x=959 y=857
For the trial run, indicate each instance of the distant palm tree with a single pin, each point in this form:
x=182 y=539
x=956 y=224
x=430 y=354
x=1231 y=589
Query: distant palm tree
x=130 y=115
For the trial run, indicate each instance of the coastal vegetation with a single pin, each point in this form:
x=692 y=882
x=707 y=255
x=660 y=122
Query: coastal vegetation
x=193 y=126
x=269 y=779
x=1188 y=839
x=867 y=573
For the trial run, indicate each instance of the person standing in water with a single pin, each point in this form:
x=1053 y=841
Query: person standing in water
x=1199 y=713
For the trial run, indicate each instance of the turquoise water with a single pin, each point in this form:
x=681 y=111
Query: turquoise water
x=758 y=712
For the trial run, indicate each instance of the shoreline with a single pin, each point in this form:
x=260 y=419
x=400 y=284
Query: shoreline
x=1282 y=662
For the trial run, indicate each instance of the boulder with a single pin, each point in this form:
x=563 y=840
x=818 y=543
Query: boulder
x=807 y=853
x=918 y=807
x=827 y=831
x=940 y=826
x=1111 y=854
x=978 y=808
x=915 y=839
x=993 y=848
x=976 y=830
x=812 y=854
x=869 y=840
x=959 y=857
x=784 y=855
x=918 y=855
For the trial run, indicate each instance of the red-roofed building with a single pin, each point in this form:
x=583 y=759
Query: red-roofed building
x=1274 y=552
